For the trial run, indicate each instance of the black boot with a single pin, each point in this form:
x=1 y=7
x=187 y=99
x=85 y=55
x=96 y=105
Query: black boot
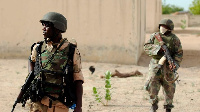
x=168 y=110
x=154 y=107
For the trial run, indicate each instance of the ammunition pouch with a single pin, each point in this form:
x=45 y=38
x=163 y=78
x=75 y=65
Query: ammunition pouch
x=51 y=88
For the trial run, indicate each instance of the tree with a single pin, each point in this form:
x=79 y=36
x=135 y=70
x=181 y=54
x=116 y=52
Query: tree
x=195 y=7
x=168 y=9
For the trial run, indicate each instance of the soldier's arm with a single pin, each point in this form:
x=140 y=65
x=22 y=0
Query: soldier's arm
x=31 y=65
x=150 y=48
x=78 y=79
x=32 y=58
x=79 y=94
x=178 y=56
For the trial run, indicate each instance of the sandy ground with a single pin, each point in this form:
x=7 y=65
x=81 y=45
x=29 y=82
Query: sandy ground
x=127 y=93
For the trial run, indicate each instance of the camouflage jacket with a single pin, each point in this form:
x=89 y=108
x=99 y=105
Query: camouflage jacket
x=152 y=47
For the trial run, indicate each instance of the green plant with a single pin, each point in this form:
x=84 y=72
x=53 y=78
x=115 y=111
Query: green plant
x=183 y=24
x=107 y=88
x=193 y=85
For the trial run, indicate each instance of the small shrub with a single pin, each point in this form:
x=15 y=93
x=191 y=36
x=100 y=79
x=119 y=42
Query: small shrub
x=107 y=88
x=183 y=25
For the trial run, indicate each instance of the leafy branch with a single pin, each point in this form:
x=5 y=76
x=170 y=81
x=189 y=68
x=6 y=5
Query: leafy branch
x=183 y=26
x=107 y=88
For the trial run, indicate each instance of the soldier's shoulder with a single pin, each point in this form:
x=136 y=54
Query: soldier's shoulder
x=73 y=41
x=38 y=42
x=176 y=40
x=34 y=45
x=175 y=37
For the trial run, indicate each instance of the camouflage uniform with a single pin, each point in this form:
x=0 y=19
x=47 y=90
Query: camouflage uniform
x=160 y=77
x=53 y=69
x=50 y=48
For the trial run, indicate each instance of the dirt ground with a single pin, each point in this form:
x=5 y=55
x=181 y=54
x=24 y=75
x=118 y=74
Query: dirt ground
x=128 y=94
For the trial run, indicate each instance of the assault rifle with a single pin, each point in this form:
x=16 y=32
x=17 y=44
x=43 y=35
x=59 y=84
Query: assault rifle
x=24 y=93
x=167 y=55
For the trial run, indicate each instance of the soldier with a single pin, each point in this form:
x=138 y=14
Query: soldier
x=162 y=76
x=58 y=59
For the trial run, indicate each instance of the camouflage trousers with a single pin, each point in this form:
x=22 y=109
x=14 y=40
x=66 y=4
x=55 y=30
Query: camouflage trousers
x=43 y=106
x=158 y=78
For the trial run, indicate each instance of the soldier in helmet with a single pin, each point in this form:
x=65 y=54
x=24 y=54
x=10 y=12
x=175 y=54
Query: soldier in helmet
x=56 y=62
x=161 y=76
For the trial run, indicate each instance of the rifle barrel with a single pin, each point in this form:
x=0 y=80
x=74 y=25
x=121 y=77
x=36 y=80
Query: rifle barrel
x=14 y=106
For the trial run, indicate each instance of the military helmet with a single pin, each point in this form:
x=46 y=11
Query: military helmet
x=58 y=20
x=167 y=22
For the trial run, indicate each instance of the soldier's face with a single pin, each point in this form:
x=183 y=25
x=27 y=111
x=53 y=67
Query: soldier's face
x=163 y=29
x=47 y=30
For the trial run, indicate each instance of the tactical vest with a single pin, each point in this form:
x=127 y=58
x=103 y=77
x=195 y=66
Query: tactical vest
x=54 y=74
x=54 y=71
x=169 y=41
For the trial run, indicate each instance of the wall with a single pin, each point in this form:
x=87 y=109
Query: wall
x=140 y=27
x=153 y=15
x=177 y=19
x=194 y=20
x=110 y=31
x=191 y=20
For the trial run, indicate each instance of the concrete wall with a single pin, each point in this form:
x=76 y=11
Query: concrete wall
x=177 y=19
x=140 y=25
x=110 y=31
x=191 y=20
x=194 y=20
x=153 y=15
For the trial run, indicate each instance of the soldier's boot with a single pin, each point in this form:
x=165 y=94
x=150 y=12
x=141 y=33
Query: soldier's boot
x=168 y=107
x=168 y=110
x=154 y=107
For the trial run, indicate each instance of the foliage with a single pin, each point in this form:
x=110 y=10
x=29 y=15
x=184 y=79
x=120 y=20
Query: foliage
x=107 y=88
x=195 y=7
x=183 y=25
x=168 y=9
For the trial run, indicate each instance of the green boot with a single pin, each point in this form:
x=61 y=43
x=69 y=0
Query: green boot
x=154 y=107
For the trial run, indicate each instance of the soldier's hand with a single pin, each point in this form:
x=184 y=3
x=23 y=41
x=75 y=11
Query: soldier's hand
x=172 y=67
